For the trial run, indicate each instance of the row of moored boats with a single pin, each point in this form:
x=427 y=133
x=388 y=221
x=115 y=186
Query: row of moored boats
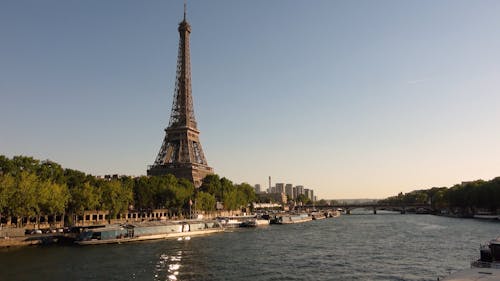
x=130 y=232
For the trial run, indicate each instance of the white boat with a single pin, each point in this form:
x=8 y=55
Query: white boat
x=147 y=231
x=318 y=215
x=486 y=217
x=290 y=219
x=334 y=214
x=233 y=221
x=254 y=222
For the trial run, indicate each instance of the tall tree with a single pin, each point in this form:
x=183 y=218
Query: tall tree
x=144 y=193
x=205 y=201
x=84 y=198
x=181 y=193
x=116 y=197
x=24 y=201
x=6 y=165
x=212 y=185
x=7 y=186
x=24 y=163
x=52 y=171
x=247 y=192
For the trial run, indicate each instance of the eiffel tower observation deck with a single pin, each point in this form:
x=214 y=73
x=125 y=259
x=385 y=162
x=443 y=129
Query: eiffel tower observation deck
x=181 y=153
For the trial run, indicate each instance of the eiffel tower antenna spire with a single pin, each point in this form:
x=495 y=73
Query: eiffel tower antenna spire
x=181 y=153
x=185 y=8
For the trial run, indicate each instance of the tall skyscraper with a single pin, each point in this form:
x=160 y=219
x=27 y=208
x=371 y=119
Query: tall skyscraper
x=289 y=191
x=280 y=188
x=257 y=188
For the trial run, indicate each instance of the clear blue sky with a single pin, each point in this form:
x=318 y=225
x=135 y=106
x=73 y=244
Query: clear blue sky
x=353 y=99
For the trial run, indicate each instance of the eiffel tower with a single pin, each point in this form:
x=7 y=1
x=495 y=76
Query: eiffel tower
x=181 y=153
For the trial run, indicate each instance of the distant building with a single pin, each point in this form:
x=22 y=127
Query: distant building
x=257 y=188
x=300 y=190
x=279 y=197
x=289 y=191
x=280 y=188
x=309 y=193
x=282 y=192
x=272 y=197
x=265 y=205
x=272 y=189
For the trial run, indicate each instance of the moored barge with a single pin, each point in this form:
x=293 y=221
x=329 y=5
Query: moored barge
x=147 y=231
x=290 y=219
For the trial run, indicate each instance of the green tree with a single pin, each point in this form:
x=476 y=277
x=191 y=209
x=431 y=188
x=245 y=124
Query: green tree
x=226 y=186
x=53 y=198
x=212 y=185
x=231 y=201
x=247 y=192
x=74 y=178
x=24 y=163
x=166 y=189
x=7 y=187
x=84 y=198
x=52 y=171
x=180 y=194
x=144 y=192
x=24 y=201
x=438 y=197
x=205 y=201
x=6 y=165
x=116 y=197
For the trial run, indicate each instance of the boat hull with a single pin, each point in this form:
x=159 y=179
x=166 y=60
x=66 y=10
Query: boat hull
x=150 y=237
x=291 y=219
x=113 y=234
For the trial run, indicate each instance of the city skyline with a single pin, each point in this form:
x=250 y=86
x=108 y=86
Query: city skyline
x=355 y=99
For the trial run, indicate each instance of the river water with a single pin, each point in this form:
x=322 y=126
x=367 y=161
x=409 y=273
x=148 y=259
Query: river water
x=351 y=247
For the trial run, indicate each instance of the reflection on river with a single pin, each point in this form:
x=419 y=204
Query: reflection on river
x=355 y=247
x=167 y=267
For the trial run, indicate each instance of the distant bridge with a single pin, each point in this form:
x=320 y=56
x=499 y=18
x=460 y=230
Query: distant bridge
x=402 y=208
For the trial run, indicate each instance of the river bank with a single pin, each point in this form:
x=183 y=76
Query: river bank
x=127 y=231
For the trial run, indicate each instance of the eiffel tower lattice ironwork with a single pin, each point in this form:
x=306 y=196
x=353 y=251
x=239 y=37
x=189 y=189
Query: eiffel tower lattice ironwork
x=181 y=153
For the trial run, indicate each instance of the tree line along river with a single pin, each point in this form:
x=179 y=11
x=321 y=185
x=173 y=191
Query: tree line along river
x=385 y=246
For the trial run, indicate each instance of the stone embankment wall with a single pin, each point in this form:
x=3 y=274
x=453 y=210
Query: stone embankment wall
x=11 y=232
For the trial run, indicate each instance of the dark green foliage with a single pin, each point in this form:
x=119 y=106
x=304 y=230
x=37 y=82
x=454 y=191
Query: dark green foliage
x=468 y=195
x=212 y=185
x=115 y=196
x=33 y=188
x=205 y=201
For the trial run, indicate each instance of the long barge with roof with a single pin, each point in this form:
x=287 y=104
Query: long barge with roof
x=113 y=234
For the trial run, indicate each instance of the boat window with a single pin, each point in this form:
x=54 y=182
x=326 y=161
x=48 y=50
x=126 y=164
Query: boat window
x=96 y=235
